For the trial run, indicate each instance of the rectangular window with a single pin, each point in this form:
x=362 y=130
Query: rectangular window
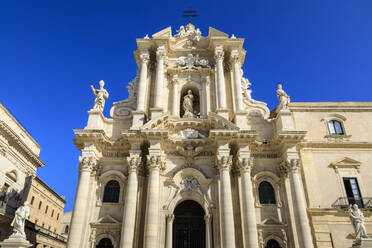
x=46 y=209
x=40 y=203
x=52 y=213
x=57 y=216
x=353 y=192
x=32 y=200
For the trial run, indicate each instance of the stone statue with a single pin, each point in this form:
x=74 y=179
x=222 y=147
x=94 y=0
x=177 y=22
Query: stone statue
x=188 y=102
x=18 y=223
x=357 y=219
x=283 y=98
x=101 y=96
x=181 y=32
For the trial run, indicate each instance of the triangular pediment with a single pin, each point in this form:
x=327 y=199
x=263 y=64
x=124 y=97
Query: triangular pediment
x=163 y=34
x=346 y=162
x=107 y=220
x=216 y=33
x=271 y=221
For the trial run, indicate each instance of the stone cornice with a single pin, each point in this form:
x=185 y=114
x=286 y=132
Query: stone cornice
x=330 y=106
x=97 y=137
x=290 y=136
x=331 y=145
x=20 y=146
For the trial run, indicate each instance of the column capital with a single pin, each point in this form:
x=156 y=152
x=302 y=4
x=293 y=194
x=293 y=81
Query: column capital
x=145 y=56
x=170 y=218
x=87 y=164
x=174 y=79
x=134 y=162
x=245 y=164
x=235 y=57
x=160 y=53
x=154 y=162
x=289 y=165
x=223 y=162
x=218 y=53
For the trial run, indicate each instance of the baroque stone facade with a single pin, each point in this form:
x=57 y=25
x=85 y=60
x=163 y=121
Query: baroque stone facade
x=191 y=160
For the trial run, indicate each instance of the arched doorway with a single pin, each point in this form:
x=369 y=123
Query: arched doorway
x=272 y=243
x=189 y=225
x=105 y=243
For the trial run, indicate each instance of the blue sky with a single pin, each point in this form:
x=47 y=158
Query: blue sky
x=51 y=51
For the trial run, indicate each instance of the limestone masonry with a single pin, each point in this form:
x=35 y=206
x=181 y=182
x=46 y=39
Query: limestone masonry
x=190 y=160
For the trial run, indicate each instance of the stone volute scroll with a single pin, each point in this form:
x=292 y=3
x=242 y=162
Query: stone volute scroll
x=357 y=220
x=283 y=98
x=101 y=96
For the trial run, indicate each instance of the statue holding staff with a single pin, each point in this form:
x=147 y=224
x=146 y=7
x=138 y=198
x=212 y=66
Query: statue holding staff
x=18 y=223
x=101 y=96
x=188 y=102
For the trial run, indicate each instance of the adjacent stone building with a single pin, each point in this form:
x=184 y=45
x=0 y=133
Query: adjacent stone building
x=19 y=161
x=191 y=160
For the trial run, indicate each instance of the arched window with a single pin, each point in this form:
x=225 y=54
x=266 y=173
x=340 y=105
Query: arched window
x=112 y=192
x=105 y=243
x=335 y=127
x=266 y=193
x=272 y=243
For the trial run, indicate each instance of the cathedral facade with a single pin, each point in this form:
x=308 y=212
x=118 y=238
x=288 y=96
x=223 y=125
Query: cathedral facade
x=190 y=160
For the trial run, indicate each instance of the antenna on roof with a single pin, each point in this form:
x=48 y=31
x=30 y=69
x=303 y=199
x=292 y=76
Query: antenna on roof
x=189 y=14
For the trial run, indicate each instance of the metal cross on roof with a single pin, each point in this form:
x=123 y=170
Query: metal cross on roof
x=189 y=14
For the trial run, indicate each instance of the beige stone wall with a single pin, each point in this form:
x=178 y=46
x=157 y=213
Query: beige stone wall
x=50 y=213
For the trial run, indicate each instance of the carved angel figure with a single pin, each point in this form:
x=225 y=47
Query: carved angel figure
x=284 y=99
x=18 y=223
x=188 y=102
x=357 y=219
x=101 y=96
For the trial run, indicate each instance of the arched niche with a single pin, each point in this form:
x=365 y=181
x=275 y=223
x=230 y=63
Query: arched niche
x=196 y=94
x=107 y=177
x=199 y=193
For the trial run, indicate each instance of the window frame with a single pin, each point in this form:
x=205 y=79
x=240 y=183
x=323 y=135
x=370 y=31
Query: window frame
x=259 y=193
x=275 y=183
x=104 y=178
x=333 y=121
x=109 y=200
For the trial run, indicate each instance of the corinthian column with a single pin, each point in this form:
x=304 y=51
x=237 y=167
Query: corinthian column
x=238 y=95
x=152 y=205
x=130 y=204
x=300 y=204
x=250 y=231
x=205 y=82
x=170 y=219
x=227 y=216
x=159 y=81
x=221 y=89
x=142 y=83
x=79 y=214
x=176 y=97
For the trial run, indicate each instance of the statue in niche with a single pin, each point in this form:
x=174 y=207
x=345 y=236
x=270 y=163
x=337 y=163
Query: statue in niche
x=284 y=99
x=357 y=219
x=101 y=96
x=188 y=103
x=18 y=223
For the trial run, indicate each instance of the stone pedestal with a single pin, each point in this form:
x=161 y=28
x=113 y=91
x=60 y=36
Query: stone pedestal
x=241 y=119
x=364 y=243
x=284 y=121
x=223 y=112
x=15 y=242
x=95 y=120
x=156 y=112
x=138 y=119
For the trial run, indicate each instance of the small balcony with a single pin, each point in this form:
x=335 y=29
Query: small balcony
x=344 y=202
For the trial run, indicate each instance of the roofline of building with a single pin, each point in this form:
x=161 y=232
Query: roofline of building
x=19 y=124
x=50 y=189
x=335 y=106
